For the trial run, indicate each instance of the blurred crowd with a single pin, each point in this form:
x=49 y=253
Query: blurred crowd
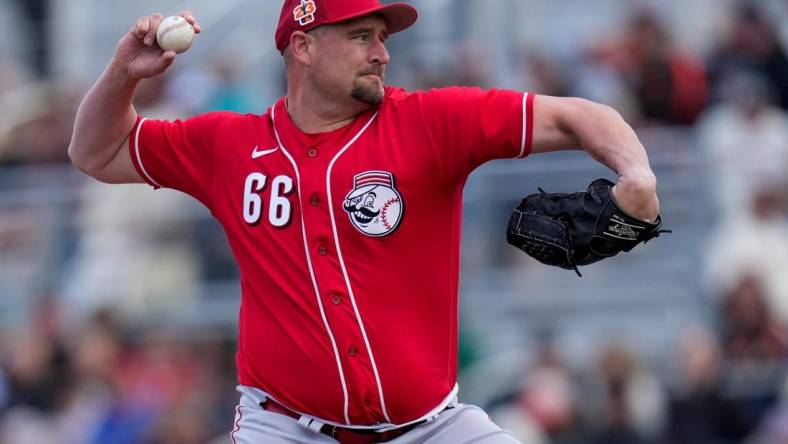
x=77 y=371
x=108 y=383
x=718 y=385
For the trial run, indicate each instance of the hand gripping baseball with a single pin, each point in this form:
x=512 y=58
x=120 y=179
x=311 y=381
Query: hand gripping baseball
x=139 y=55
x=567 y=230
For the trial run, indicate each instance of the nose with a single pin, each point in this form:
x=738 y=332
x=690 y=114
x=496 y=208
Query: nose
x=379 y=54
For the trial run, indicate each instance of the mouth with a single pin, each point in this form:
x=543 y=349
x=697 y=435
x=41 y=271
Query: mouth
x=361 y=218
x=372 y=80
x=378 y=74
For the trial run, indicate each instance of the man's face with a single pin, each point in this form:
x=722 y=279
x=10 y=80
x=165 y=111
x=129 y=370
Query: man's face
x=350 y=59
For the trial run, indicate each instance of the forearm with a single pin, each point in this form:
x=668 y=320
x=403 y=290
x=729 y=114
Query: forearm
x=104 y=119
x=605 y=136
x=565 y=123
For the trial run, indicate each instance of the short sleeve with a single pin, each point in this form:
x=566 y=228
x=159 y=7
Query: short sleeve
x=177 y=154
x=471 y=126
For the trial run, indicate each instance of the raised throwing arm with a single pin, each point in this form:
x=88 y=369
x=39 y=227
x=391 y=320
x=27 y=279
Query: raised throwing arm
x=100 y=142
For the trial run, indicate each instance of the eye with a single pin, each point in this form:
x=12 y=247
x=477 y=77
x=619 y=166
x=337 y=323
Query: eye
x=361 y=37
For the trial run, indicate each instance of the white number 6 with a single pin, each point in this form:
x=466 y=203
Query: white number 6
x=280 y=210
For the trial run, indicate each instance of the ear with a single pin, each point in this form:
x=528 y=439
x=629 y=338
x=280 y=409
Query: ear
x=299 y=45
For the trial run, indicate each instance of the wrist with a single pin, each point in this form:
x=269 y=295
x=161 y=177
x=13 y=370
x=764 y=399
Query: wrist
x=636 y=194
x=120 y=73
x=640 y=181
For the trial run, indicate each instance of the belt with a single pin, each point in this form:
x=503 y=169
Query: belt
x=342 y=434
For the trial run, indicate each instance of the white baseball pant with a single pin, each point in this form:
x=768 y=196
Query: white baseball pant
x=464 y=424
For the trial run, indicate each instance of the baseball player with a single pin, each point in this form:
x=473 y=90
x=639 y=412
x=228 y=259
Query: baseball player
x=342 y=204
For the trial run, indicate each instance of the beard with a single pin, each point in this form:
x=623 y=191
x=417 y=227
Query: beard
x=367 y=91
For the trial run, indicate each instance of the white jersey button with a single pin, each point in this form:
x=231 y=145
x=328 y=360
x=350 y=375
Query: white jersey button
x=311 y=152
x=352 y=351
x=322 y=250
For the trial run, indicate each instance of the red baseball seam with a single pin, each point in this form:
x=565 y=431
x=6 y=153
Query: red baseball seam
x=383 y=211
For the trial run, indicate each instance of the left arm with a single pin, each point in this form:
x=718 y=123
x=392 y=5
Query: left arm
x=572 y=123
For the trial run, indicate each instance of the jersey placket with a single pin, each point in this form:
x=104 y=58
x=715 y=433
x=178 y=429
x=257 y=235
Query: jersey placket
x=313 y=161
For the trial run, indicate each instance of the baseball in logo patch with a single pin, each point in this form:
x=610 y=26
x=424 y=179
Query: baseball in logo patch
x=375 y=207
x=304 y=13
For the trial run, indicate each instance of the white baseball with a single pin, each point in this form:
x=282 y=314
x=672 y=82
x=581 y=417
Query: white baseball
x=175 y=34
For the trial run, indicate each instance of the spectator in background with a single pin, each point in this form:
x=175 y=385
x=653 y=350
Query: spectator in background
x=751 y=247
x=550 y=397
x=699 y=413
x=36 y=366
x=755 y=347
x=669 y=83
x=113 y=388
x=94 y=351
x=37 y=362
x=745 y=138
x=627 y=404
x=544 y=409
x=750 y=330
x=752 y=44
x=168 y=386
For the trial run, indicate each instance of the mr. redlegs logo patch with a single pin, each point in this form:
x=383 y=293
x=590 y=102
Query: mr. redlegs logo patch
x=374 y=205
x=304 y=13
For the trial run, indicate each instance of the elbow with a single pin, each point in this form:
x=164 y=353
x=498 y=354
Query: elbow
x=83 y=163
x=74 y=157
x=79 y=161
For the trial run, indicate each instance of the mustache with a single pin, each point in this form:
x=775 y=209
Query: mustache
x=378 y=70
x=363 y=210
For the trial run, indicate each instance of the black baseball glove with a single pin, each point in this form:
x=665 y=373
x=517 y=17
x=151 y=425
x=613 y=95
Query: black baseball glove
x=568 y=230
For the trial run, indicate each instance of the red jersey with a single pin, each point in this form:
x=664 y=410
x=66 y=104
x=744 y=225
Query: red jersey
x=348 y=242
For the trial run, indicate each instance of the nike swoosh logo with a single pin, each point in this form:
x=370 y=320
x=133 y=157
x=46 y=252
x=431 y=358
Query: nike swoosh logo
x=256 y=153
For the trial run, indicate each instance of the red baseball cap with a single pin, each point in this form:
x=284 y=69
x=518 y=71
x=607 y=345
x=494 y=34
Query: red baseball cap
x=303 y=15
